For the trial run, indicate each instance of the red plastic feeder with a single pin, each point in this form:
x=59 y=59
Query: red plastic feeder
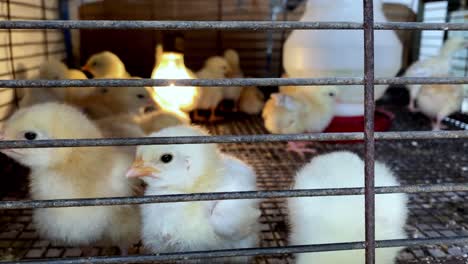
x=383 y=121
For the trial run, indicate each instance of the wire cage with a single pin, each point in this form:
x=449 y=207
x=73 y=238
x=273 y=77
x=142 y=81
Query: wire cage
x=438 y=193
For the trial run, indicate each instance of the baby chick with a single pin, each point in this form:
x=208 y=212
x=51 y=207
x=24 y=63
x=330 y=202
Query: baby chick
x=339 y=219
x=209 y=97
x=55 y=70
x=116 y=100
x=155 y=121
x=234 y=92
x=106 y=65
x=438 y=66
x=251 y=100
x=65 y=173
x=439 y=101
x=195 y=168
x=48 y=70
x=120 y=126
x=299 y=112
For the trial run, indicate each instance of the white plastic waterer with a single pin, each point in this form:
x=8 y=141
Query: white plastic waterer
x=340 y=53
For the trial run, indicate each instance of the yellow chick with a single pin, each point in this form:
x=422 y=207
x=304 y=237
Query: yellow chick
x=66 y=173
x=251 y=100
x=55 y=70
x=195 y=168
x=300 y=112
x=233 y=93
x=439 y=101
x=106 y=65
x=209 y=97
x=155 y=121
x=438 y=66
x=116 y=100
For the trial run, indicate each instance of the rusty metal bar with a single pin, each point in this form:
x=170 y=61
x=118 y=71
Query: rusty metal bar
x=353 y=136
x=221 y=25
x=247 y=252
x=226 y=82
x=32 y=204
x=369 y=140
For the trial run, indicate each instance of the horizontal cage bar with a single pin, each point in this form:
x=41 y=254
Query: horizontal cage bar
x=448 y=187
x=59 y=143
x=249 y=252
x=220 y=25
x=227 y=82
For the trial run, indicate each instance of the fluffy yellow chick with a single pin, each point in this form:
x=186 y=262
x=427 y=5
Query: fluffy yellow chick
x=106 y=65
x=48 y=70
x=234 y=92
x=120 y=126
x=65 y=173
x=340 y=219
x=195 y=168
x=438 y=66
x=116 y=100
x=155 y=121
x=300 y=112
x=209 y=97
x=55 y=70
x=439 y=101
x=251 y=100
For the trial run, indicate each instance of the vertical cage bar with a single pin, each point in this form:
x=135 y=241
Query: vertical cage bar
x=369 y=130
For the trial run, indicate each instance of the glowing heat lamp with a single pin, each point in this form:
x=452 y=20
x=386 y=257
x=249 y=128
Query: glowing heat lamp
x=173 y=97
x=170 y=65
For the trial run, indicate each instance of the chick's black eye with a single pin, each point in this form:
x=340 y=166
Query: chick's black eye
x=95 y=63
x=140 y=96
x=30 y=135
x=166 y=158
x=331 y=94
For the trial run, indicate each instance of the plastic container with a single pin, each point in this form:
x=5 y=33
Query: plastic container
x=340 y=53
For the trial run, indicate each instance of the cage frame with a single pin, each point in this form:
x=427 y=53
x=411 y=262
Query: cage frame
x=369 y=136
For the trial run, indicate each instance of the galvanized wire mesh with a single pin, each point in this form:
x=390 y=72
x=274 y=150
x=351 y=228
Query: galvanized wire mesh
x=273 y=210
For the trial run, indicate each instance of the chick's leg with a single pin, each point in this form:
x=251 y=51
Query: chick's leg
x=411 y=106
x=197 y=116
x=213 y=116
x=300 y=147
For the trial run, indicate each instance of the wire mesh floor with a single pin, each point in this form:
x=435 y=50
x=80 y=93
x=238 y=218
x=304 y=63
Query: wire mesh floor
x=415 y=162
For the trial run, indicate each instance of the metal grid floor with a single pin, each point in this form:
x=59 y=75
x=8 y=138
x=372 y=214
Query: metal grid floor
x=422 y=162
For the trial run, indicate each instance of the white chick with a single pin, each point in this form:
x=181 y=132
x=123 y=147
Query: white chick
x=438 y=66
x=339 y=219
x=439 y=101
x=299 y=112
x=155 y=121
x=251 y=100
x=209 y=97
x=116 y=100
x=233 y=93
x=195 y=168
x=106 y=65
x=66 y=173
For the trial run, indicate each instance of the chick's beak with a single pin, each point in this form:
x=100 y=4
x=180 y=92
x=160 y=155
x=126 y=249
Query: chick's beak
x=85 y=68
x=138 y=169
